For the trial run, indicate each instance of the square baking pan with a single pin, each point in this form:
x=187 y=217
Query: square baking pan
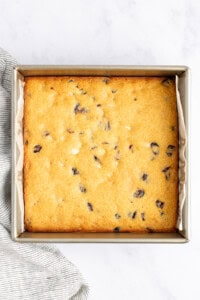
x=18 y=232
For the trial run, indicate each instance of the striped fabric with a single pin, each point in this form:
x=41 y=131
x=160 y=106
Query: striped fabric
x=27 y=271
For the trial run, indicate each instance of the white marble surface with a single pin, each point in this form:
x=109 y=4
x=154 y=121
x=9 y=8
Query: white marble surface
x=119 y=32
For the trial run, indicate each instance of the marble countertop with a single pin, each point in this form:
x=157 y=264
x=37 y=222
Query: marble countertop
x=119 y=32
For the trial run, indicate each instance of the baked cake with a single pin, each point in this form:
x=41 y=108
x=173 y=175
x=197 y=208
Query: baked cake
x=100 y=154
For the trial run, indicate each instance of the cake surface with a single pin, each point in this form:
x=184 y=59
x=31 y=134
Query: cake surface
x=100 y=154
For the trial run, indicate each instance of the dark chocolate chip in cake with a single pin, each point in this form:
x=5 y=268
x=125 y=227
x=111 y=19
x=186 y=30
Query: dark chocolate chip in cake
x=97 y=159
x=98 y=105
x=135 y=99
x=170 y=150
x=155 y=148
x=75 y=171
x=90 y=206
x=173 y=128
x=46 y=133
x=144 y=177
x=82 y=188
x=52 y=88
x=105 y=143
x=79 y=109
x=83 y=92
x=116 y=146
x=132 y=215
x=76 y=108
x=160 y=204
x=116 y=229
x=143 y=216
x=37 y=148
x=117 y=216
x=139 y=193
x=69 y=130
x=166 y=171
x=106 y=80
x=150 y=230
x=26 y=142
x=130 y=147
x=94 y=147
x=107 y=126
x=70 y=80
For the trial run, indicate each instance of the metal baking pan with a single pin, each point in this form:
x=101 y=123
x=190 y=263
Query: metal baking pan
x=18 y=218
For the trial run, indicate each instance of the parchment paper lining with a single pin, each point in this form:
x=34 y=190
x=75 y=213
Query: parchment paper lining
x=20 y=152
x=19 y=166
x=182 y=159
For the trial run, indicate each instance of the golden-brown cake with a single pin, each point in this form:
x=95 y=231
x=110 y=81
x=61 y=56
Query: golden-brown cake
x=100 y=154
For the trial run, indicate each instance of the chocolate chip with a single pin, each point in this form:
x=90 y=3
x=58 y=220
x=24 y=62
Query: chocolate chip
x=107 y=126
x=52 y=88
x=79 y=109
x=143 y=216
x=144 y=177
x=106 y=80
x=162 y=213
x=135 y=99
x=70 y=80
x=155 y=148
x=37 y=148
x=94 y=147
x=131 y=148
x=170 y=150
x=160 y=204
x=173 y=128
x=132 y=215
x=83 y=92
x=117 y=216
x=26 y=142
x=166 y=171
x=116 y=146
x=139 y=193
x=90 y=206
x=46 y=133
x=105 y=143
x=114 y=91
x=98 y=105
x=116 y=229
x=150 y=230
x=70 y=130
x=82 y=188
x=97 y=159
x=166 y=82
x=75 y=171
x=76 y=108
